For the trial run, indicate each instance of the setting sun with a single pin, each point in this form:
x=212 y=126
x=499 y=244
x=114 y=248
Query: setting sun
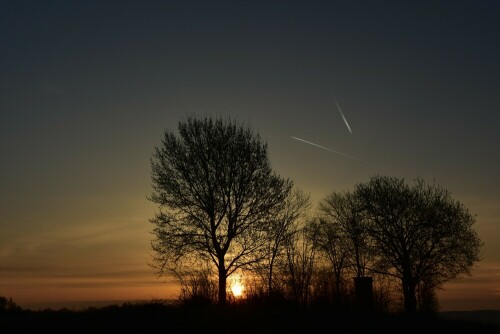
x=237 y=289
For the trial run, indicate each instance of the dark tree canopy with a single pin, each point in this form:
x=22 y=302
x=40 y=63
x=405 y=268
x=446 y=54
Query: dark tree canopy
x=422 y=235
x=415 y=233
x=217 y=196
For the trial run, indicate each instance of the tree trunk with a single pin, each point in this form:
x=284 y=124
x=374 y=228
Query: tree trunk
x=222 y=282
x=409 y=293
x=270 y=280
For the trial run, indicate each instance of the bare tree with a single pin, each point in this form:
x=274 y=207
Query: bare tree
x=299 y=266
x=197 y=284
x=343 y=232
x=329 y=243
x=423 y=236
x=344 y=240
x=285 y=224
x=217 y=197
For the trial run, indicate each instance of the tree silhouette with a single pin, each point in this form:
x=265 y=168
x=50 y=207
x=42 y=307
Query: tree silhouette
x=8 y=305
x=299 y=265
x=344 y=239
x=423 y=237
x=217 y=197
x=343 y=236
x=284 y=225
x=329 y=242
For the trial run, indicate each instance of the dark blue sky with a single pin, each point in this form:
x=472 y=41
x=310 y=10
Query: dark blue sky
x=88 y=87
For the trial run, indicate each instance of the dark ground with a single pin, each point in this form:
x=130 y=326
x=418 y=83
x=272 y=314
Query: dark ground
x=236 y=319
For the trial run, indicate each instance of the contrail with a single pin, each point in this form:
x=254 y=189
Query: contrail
x=342 y=114
x=328 y=149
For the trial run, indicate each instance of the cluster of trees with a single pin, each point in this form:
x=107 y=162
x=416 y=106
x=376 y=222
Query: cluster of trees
x=8 y=305
x=224 y=211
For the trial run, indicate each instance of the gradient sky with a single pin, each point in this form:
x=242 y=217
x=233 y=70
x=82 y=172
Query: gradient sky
x=88 y=87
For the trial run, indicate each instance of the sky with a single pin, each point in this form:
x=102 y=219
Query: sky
x=87 y=89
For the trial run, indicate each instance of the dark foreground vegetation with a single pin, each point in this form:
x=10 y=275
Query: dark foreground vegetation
x=239 y=318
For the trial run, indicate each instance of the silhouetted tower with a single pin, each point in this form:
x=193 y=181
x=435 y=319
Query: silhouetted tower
x=363 y=291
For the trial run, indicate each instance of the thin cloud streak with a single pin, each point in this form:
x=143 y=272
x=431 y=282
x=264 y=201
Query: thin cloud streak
x=342 y=114
x=328 y=149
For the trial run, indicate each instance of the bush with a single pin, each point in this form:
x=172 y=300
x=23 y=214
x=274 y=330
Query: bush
x=8 y=305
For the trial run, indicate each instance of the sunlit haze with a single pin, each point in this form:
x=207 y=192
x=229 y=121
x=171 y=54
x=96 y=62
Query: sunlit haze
x=237 y=289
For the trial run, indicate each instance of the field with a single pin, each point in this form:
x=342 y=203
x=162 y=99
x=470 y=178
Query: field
x=159 y=317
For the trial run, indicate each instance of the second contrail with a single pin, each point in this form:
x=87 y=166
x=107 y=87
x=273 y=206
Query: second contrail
x=342 y=114
x=328 y=149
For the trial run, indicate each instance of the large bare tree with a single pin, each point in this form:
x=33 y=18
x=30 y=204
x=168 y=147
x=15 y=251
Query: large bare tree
x=422 y=235
x=217 y=197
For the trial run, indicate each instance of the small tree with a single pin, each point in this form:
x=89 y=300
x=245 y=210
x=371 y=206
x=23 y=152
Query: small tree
x=283 y=226
x=330 y=244
x=422 y=236
x=217 y=197
x=299 y=266
x=343 y=213
x=198 y=285
x=8 y=305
